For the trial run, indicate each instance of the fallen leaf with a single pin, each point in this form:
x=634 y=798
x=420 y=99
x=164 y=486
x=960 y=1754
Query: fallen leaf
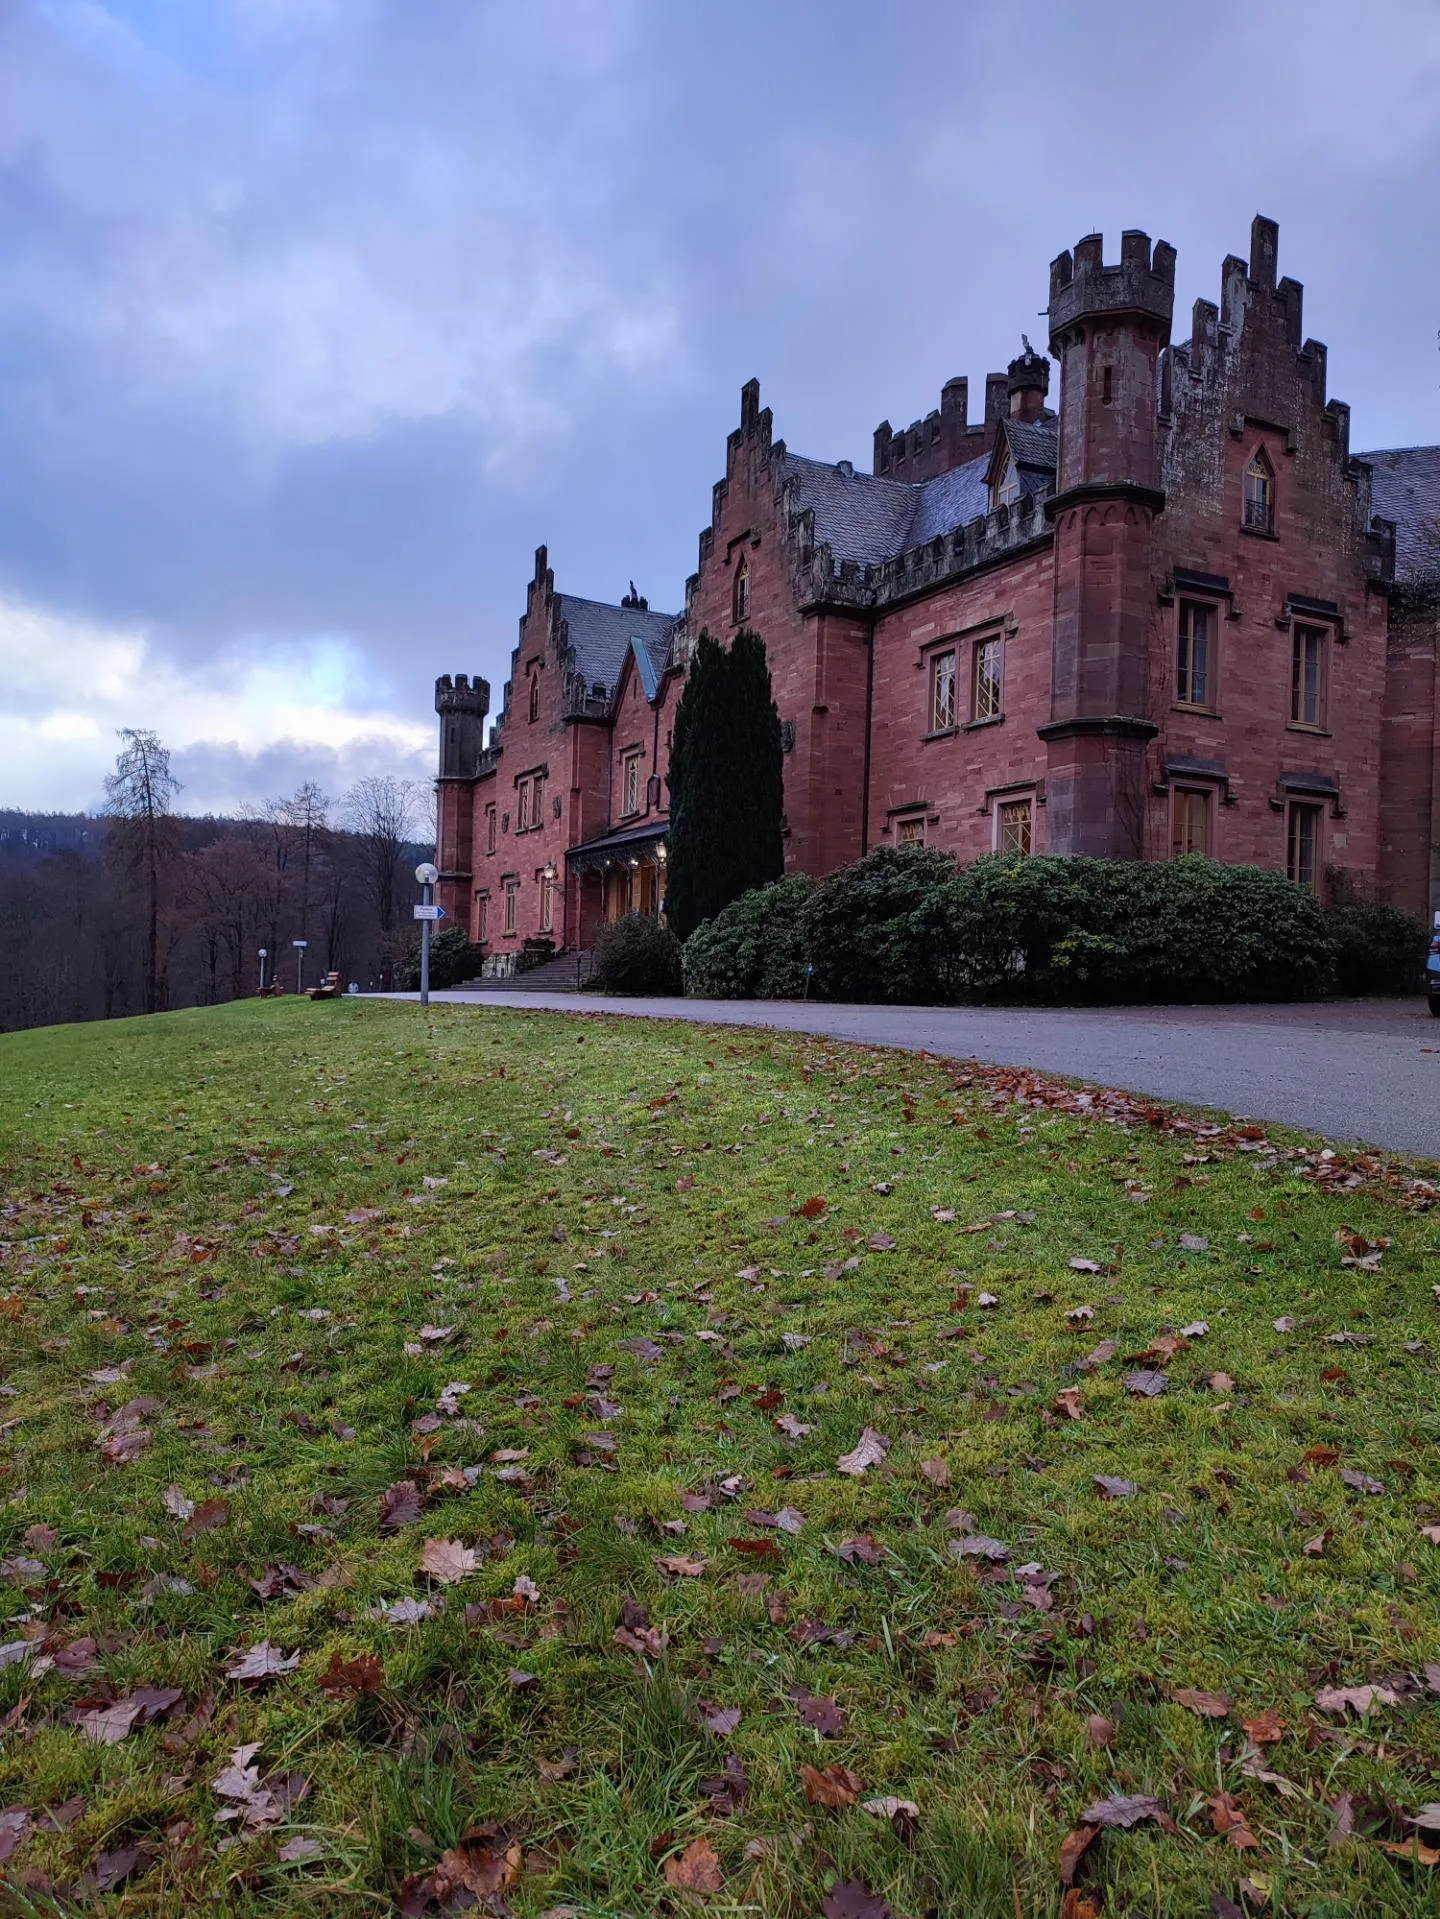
x=870 y=1449
x=677 y=1566
x=113 y=1868
x=1126 y=1810
x=1412 y=1850
x=977 y=1546
x=1109 y=1487
x=1315 y=1546
x=888 y=1808
x=937 y=1471
x=14 y=1823
x=447 y=1561
x=1227 y=1816
x=476 y=1867
x=1209 y=1705
x=1099 y=1731
x=822 y=1715
x=261 y=1662
x=697 y=1869
x=853 y=1899
x=1359 y=1699
x=1067 y=1402
x=1073 y=1848
x=298 y=1849
x=1265 y=1729
x=108 y=1725
x=363 y=1674
x=830 y=1785
x=399 y=1505
x=1086 y=1266
x=720 y=1720
x=1361 y=1482
x=1145 y=1384
x=207 y=1517
x=174 y=1501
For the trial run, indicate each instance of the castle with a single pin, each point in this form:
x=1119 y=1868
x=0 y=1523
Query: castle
x=1171 y=614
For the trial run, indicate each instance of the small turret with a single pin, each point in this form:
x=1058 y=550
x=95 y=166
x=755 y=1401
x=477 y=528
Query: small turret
x=1108 y=326
x=462 y=704
x=1027 y=382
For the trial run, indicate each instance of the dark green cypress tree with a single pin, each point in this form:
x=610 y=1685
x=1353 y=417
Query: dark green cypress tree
x=726 y=783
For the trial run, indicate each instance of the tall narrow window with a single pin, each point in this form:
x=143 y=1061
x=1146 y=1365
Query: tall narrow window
x=911 y=831
x=1307 y=676
x=986 y=700
x=489 y=829
x=1194 y=684
x=632 y=784
x=1303 y=843
x=534 y=697
x=547 y=903
x=1013 y=827
x=482 y=918
x=1259 y=509
x=1190 y=832
x=522 y=806
x=512 y=892
x=741 y=610
x=942 y=692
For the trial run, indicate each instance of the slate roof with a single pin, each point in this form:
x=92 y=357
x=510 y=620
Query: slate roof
x=601 y=636
x=1405 y=488
x=868 y=520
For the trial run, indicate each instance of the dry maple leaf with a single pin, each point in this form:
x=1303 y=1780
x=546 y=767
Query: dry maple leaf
x=1067 y=1402
x=1145 y=1384
x=679 y=1567
x=447 y=1561
x=261 y=1662
x=977 y=1546
x=1227 y=1816
x=1411 y=1849
x=399 y=1505
x=888 y=1808
x=341 y=1676
x=1126 y=1810
x=175 y=1502
x=1209 y=1705
x=831 y=1785
x=1315 y=1546
x=108 y=1725
x=720 y=1720
x=937 y=1471
x=1360 y=1699
x=697 y=1869
x=853 y=1899
x=1073 y=1848
x=869 y=1450
x=476 y=1867
x=822 y=1715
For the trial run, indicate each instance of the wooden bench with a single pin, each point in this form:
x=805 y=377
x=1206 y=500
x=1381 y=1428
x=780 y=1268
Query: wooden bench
x=329 y=988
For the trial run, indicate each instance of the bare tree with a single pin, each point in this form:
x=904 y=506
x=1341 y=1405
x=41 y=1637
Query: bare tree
x=304 y=819
x=382 y=813
x=139 y=796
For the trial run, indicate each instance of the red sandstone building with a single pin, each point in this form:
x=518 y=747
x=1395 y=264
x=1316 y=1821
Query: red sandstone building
x=1173 y=614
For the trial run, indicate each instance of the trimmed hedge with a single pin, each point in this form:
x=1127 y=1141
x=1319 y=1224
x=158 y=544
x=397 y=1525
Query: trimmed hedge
x=905 y=925
x=636 y=954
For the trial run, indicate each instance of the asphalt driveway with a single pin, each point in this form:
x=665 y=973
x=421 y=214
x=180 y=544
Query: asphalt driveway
x=1364 y=1070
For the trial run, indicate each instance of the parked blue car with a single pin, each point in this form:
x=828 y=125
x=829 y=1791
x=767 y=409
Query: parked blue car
x=1432 y=974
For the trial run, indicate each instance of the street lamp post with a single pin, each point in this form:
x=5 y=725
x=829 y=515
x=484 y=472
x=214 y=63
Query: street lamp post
x=427 y=912
x=264 y=955
x=299 y=946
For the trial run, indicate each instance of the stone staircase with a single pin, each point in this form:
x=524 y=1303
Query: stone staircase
x=566 y=973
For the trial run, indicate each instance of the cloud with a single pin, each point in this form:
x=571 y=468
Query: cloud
x=250 y=726
x=319 y=316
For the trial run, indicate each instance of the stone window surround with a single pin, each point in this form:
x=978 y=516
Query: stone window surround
x=999 y=626
x=1213 y=602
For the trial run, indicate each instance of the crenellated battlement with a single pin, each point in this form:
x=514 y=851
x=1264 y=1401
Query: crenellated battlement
x=462 y=694
x=944 y=439
x=1141 y=284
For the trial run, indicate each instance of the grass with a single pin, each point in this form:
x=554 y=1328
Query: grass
x=255 y=1211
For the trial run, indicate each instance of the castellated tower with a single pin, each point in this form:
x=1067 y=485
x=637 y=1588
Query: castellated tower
x=462 y=704
x=1108 y=327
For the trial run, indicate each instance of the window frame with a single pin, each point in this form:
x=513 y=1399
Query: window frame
x=1300 y=632
x=482 y=918
x=1009 y=805
x=1006 y=490
x=1298 y=810
x=534 y=697
x=547 y=903
x=630 y=783
x=1259 y=466
x=522 y=806
x=740 y=592
x=1184 y=792
x=910 y=828
x=945 y=656
x=984 y=643
x=1191 y=604
x=512 y=907
x=492 y=825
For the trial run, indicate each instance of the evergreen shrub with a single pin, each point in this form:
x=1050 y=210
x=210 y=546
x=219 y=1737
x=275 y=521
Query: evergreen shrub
x=454 y=958
x=636 y=954
x=755 y=948
x=857 y=932
x=1378 y=949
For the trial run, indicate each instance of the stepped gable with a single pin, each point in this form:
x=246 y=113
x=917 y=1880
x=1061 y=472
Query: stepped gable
x=1405 y=489
x=599 y=635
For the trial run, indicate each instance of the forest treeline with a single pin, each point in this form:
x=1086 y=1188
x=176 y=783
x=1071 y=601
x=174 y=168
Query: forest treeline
x=142 y=908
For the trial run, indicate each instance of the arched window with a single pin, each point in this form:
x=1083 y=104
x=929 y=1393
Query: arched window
x=1259 y=511
x=1007 y=484
x=534 y=697
x=741 y=608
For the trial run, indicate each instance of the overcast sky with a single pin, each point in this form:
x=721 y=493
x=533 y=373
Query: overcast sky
x=317 y=316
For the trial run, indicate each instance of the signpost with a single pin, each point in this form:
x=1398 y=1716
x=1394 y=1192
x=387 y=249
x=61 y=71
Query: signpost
x=427 y=912
x=299 y=946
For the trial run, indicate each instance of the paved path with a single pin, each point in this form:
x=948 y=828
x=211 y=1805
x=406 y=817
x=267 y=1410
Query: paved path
x=1351 y=1069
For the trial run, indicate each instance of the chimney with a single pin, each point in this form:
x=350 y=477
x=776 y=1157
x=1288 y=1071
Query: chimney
x=1028 y=381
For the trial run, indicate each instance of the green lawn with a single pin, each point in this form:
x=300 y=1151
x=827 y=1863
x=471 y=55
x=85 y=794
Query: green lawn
x=575 y=1310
